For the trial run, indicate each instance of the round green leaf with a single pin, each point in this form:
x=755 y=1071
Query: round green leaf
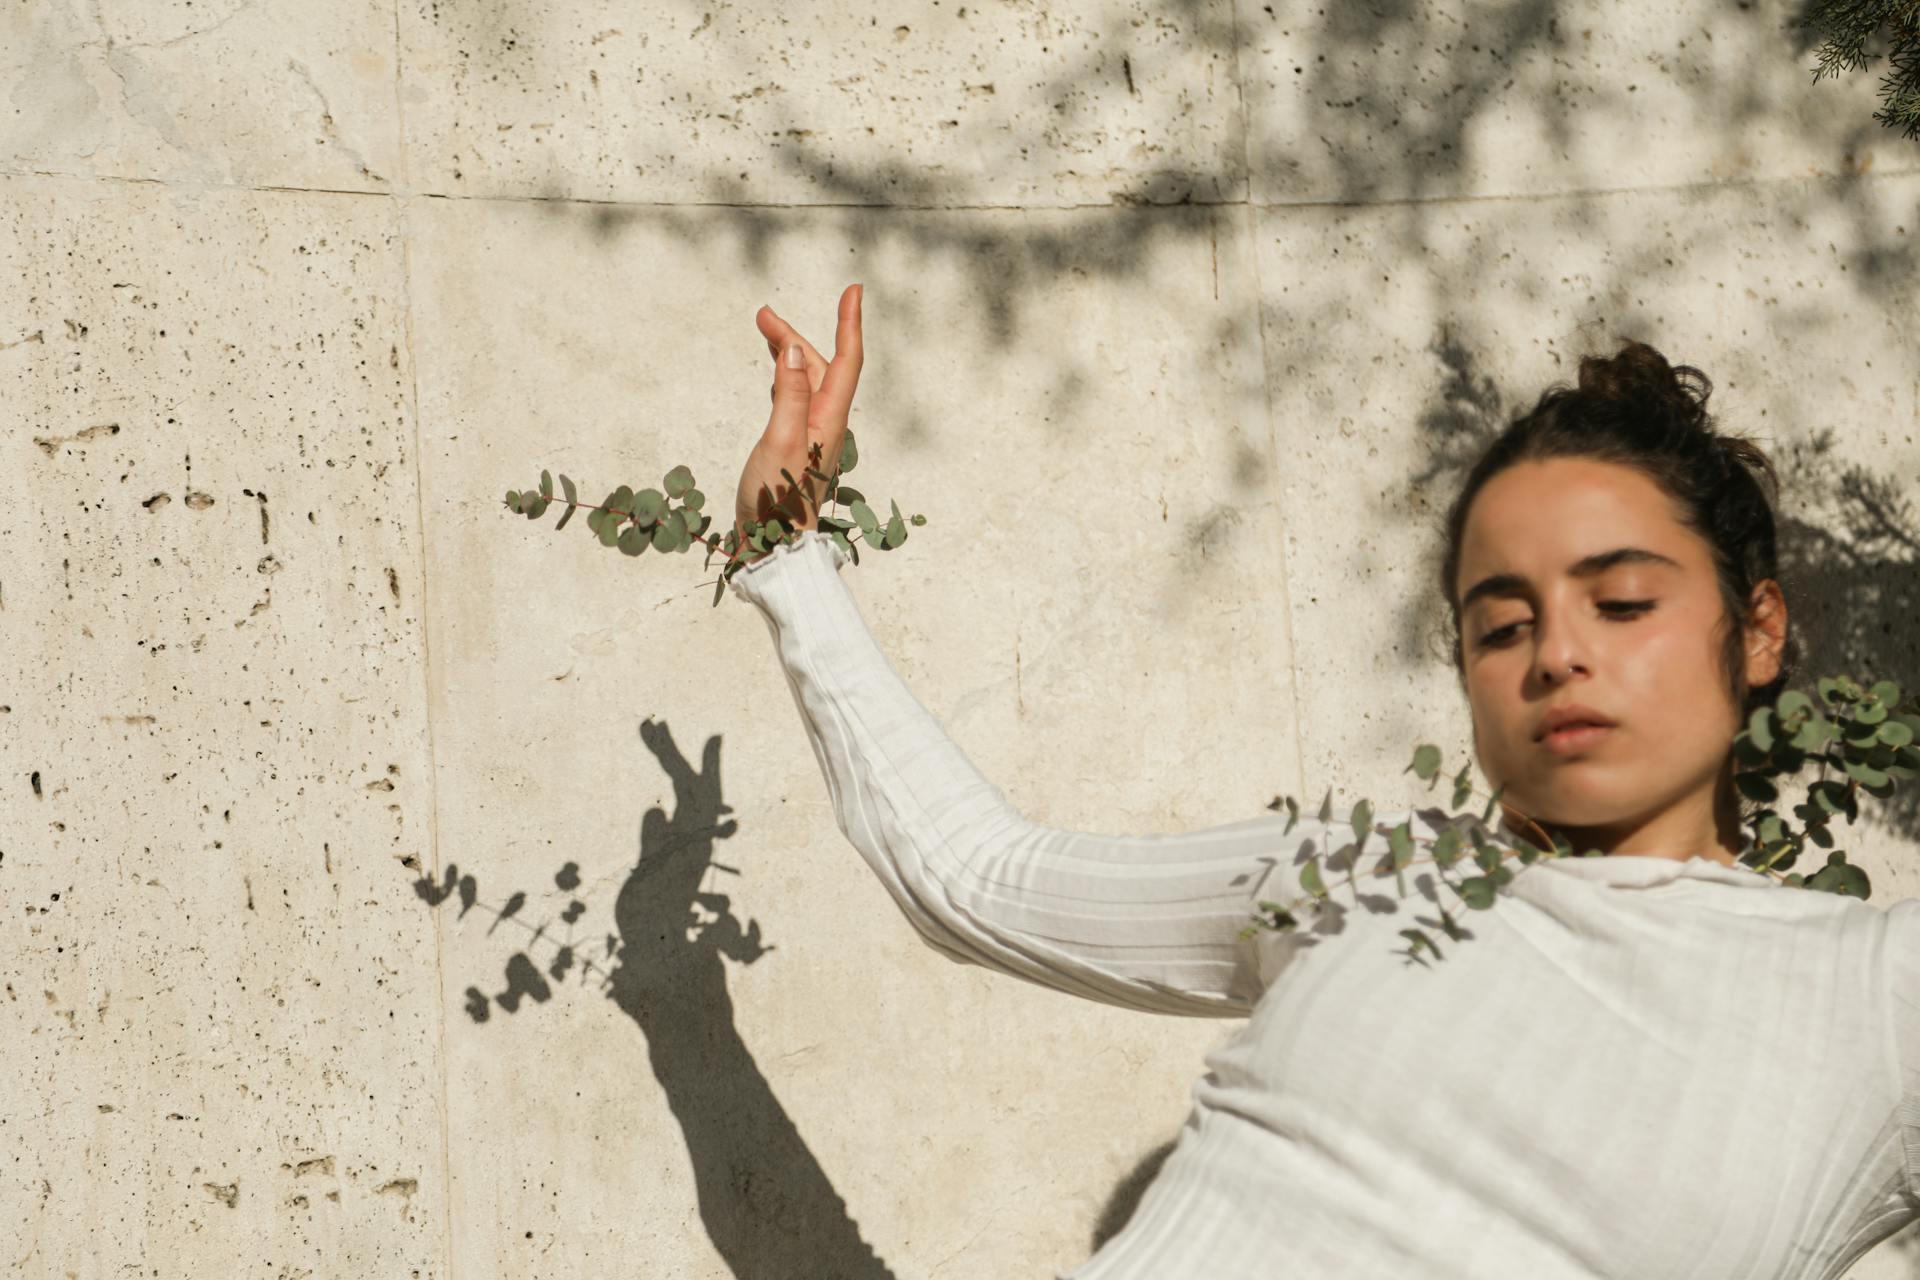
x=1426 y=762
x=633 y=540
x=546 y=484
x=848 y=454
x=1816 y=733
x=1840 y=876
x=678 y=481
x=1400 y=844
x=1485 y=854
x=1310 y=878
x=1865 y=774
x=1361 y=820
x=1861 y=735
x=649 y=507
x=1760 y=728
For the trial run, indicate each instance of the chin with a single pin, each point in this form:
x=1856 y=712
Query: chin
x=1569 y=800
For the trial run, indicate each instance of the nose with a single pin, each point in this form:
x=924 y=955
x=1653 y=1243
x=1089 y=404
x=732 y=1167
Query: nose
x=1559 y=650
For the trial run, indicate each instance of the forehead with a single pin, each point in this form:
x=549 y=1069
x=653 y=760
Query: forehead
x=1537 y=519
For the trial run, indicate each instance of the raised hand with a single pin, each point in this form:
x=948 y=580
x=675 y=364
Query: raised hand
x=808 y=424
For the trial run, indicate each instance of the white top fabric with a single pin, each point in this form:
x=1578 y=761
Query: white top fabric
x=1637 y=1067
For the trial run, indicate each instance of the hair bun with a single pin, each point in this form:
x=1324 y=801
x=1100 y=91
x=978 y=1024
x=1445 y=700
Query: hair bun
x=1640 y=377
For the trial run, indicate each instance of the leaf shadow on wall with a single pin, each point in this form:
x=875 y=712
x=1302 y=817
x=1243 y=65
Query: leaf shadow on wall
x=766 y=1203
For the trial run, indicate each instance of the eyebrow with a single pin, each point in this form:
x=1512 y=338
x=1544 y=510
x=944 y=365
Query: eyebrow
x=1586 y=567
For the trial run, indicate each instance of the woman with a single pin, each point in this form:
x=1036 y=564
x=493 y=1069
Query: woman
x=1651 y=1064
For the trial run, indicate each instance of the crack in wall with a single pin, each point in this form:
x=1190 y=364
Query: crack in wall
x=327 y=125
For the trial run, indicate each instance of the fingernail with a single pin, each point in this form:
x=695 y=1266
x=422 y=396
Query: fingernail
x=794 y=358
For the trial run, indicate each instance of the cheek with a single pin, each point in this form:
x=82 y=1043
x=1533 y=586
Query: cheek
x=1672 y=674
x=1496 y=720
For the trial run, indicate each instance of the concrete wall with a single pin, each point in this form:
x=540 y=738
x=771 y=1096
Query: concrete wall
x=1181 y=322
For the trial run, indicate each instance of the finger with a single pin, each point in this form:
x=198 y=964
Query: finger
x=776 y=342
x=792 y=391
x=849 y=354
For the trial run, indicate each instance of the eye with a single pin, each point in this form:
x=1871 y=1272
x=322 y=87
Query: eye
x=1618 y=610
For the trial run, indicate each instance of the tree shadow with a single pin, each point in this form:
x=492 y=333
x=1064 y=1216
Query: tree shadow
x=1395 y=95
x=768 y=1206
x=1390 y=102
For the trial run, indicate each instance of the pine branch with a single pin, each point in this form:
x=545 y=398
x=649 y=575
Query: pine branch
x=1845 y=27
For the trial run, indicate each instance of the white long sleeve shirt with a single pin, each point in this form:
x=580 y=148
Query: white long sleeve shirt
x=1636 y=1067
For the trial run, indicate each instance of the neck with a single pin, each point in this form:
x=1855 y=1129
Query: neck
x=1705 y=825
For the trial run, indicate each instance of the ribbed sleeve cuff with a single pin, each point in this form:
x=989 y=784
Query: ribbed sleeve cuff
x=812 y=553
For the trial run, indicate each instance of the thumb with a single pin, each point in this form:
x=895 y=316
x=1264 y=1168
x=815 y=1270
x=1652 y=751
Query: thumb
x=792 y=397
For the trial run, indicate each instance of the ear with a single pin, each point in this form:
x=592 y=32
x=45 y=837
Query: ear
x=1766 y=633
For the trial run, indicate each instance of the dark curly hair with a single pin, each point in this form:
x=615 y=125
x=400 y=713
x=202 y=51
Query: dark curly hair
x=1638 y=411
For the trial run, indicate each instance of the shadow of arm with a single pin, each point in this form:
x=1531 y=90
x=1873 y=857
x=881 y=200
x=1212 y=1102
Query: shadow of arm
x=1147 y=922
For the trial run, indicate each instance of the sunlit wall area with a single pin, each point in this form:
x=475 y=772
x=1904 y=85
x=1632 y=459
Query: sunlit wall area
x=402 y=887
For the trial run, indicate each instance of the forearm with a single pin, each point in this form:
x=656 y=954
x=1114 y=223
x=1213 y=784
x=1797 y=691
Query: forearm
x=1148 y=922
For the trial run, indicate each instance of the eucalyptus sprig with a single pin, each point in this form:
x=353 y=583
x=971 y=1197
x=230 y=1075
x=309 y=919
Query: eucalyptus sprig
x=1869 y=740
x=652 y=520
x=1872 y=739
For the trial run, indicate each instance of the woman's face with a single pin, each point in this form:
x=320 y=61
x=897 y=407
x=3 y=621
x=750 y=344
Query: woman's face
x=1585 y=589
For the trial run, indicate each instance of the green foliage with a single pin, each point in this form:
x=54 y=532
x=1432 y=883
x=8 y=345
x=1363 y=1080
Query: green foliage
x=1845 y=27
x=651 y=520
x=1863 y=739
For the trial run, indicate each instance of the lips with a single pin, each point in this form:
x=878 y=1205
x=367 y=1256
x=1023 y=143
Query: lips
x=1575 y=739
x=1570 y=717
